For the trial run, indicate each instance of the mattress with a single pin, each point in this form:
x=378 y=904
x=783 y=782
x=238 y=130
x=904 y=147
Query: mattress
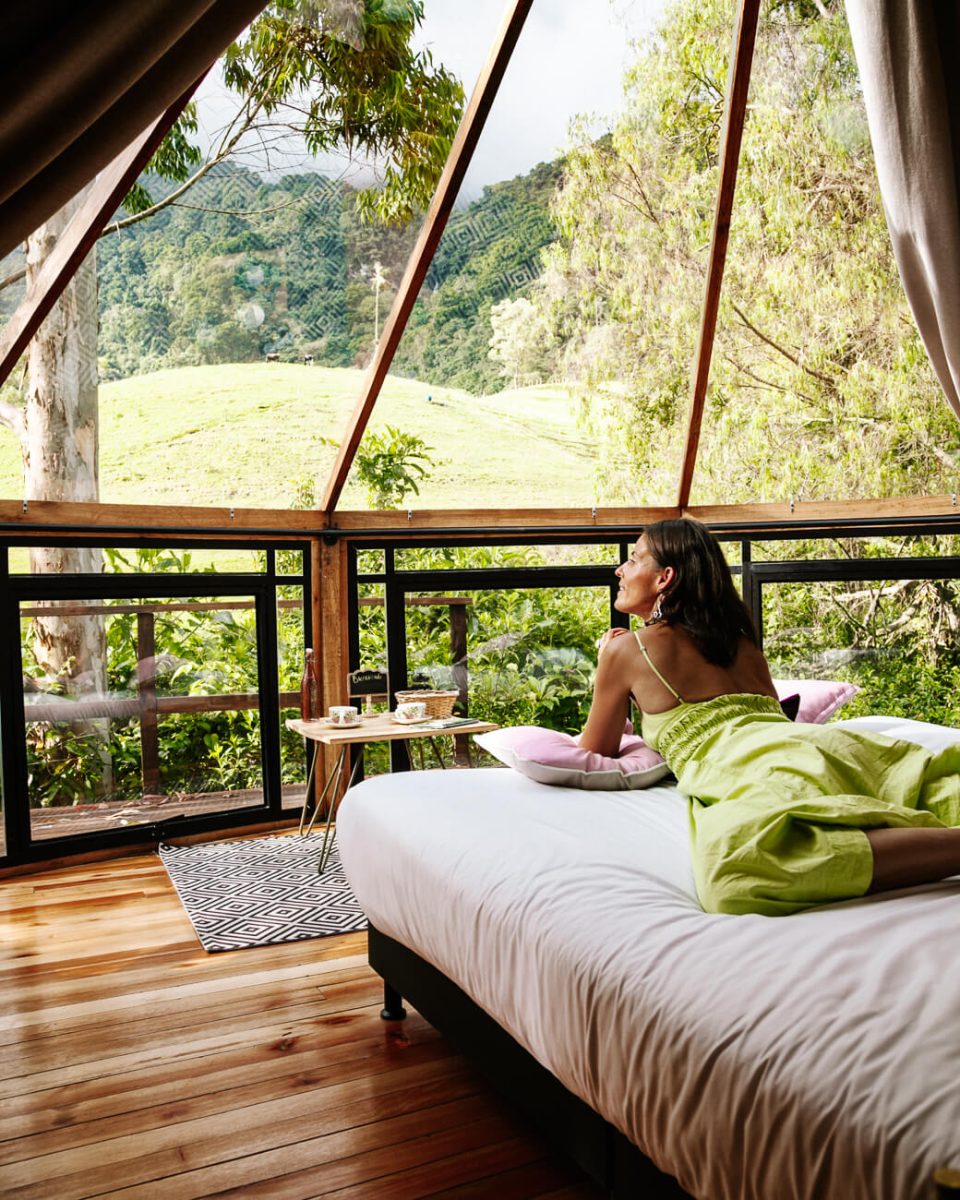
x=813 y=1056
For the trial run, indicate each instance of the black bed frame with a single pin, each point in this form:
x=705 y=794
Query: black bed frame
x=563 y=1119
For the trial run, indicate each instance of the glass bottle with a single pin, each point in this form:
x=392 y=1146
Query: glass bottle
x=310 y=689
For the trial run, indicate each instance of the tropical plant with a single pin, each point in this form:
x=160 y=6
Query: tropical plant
x=197 y=652
x=391 y=464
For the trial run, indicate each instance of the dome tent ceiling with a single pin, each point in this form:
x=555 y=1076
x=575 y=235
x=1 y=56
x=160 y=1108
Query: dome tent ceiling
x=70 y=118
x=83 y=79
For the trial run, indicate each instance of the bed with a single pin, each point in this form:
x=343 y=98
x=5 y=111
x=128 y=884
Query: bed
x=723 y=1058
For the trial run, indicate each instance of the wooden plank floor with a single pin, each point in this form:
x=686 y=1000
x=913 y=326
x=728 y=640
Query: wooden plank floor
x=132 y=1064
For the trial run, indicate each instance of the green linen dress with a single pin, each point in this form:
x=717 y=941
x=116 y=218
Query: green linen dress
x=778 y=809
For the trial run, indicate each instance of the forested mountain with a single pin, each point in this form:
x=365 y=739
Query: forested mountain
x=244 y=267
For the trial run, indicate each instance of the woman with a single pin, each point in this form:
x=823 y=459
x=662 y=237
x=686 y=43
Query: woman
x=784 y=816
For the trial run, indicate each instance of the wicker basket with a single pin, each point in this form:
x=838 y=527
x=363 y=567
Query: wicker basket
x=439 y=704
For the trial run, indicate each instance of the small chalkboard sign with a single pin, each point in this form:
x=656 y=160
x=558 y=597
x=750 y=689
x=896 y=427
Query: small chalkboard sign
x=368 y=683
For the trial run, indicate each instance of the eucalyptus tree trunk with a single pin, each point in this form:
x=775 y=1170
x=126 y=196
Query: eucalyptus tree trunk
x=59 y=435
x=60 y=443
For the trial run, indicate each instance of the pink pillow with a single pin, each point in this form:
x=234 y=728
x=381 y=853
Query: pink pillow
x=556 y=758
x=819 y=698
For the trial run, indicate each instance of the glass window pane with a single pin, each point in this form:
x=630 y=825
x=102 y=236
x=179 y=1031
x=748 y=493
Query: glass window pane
x=895 y=639
x=138 y=711
x=518 y=657
x=372 y=629
x=422 y=558
x=290 y=647
x=289 y=562
x=125 y=560
x=370 y=562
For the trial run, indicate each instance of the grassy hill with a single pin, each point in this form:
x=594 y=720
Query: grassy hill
x=242 y=434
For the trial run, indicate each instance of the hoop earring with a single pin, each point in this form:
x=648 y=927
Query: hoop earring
x=656 y=613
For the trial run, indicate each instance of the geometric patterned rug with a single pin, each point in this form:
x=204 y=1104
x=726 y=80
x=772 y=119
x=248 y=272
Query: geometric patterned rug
x=261 y=891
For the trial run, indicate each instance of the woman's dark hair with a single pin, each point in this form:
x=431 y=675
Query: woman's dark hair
x=701 y=599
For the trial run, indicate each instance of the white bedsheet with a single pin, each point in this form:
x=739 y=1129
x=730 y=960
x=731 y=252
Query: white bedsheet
x=815 y=1056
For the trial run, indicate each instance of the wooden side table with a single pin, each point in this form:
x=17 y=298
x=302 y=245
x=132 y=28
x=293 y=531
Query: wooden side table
x=379 y=728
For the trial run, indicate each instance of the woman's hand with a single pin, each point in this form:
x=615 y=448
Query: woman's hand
x=608 y=637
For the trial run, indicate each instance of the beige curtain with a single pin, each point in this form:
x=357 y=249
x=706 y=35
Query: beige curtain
x=907 y=55
x=82 y=78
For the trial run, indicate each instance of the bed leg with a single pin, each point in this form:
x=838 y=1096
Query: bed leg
x=393 y=1009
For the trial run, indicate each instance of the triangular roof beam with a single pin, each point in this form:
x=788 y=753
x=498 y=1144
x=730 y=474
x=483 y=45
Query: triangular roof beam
x=735 y=108
x=461 y=152
x=81 y=234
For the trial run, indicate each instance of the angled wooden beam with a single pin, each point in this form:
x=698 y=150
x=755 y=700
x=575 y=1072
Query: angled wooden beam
x=738 y=84
x=418 y=264
x=81 y=233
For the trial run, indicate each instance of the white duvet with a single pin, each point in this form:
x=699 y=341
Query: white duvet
x=815 y=1057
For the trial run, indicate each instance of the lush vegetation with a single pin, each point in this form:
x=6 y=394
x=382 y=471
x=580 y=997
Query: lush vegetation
x=199 y=651
x=820 y=386
x=489 y=253
x=530 y=660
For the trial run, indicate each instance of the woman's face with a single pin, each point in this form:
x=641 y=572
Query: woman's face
x=641 y=581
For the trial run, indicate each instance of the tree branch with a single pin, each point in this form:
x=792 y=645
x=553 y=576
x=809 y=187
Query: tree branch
x=250 y=212
x=643 y=195
x=235 y=130
x=13 y=278
x=134 y=218
x=781 y=349
x=766 y=382
x=11 y=418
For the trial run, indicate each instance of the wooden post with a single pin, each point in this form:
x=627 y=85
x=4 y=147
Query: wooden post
x=738 y=84
x=458 y=650
x=147 y=700
x=329 y=576
x=458 y=656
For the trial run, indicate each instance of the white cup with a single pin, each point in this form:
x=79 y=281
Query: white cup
x=411 y=710
x=343 y=714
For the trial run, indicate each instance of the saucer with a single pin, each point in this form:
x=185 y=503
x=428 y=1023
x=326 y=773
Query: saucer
x=330 y=723
x=408 y=720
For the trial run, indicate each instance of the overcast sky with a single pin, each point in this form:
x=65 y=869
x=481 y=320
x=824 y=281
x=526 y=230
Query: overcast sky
x=569 y=60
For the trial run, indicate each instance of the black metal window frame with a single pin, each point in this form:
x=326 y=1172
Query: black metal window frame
x=397 y=583
x=860 y=570
x=263 y=587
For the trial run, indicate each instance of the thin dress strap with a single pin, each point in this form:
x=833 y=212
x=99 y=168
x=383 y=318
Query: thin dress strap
x=650 y=663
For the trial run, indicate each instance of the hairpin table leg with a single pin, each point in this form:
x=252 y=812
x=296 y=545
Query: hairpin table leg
x=332 y=780
x=329 y=829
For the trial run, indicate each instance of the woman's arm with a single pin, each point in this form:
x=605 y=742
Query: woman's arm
x=611 y=696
